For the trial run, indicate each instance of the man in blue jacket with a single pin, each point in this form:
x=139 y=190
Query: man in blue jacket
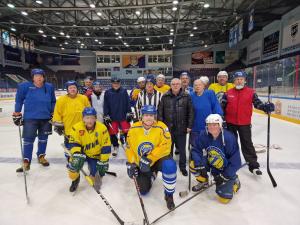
x=39 y=100
x=117 y=112
x=216 y=150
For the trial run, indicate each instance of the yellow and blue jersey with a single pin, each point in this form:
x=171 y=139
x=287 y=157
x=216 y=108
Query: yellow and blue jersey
x=163 y=89
x=212 y=153
x=93 y=143
x=69 y=111
x=154 y=143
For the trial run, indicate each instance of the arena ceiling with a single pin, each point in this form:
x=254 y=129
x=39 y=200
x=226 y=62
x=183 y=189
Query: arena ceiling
x=134 y=25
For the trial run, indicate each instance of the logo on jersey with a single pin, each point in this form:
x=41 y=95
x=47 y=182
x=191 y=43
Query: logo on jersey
x=216 y=157
x=81 y=132
x=145 y=148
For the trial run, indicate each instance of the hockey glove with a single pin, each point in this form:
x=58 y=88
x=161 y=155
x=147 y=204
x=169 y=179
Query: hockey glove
x=132 y=170
x=145 y=164
x=77 y=161
x=268 y=107
x=107 y=120
x=102 y=167
x=129 y=117
x=220 y=179
x=18 y=118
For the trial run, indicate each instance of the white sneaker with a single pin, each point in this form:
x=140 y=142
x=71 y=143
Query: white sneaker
x=115 y=151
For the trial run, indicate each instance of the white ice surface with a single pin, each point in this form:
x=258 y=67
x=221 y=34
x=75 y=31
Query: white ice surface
x=257 y=202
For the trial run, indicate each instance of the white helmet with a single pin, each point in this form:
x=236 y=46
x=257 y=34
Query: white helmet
x=222 y=73
x=214 y=118
x=161 y=76
x=204 y=79
x=141 y=79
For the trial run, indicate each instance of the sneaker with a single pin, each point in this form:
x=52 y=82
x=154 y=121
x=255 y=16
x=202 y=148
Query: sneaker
x=200 y=186
x=43 y=161
x=115 y=151
x=184 y=172
x=26 y=165
x=255 y=171
x=170 y=202
x=74 y=184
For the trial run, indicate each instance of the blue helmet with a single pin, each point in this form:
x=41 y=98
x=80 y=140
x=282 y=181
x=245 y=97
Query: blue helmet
x=37 y=71
x=96 y=82
x=71 y=82
x=148 y=109
x=89 y=111
x=150 y=78
x=239 y=74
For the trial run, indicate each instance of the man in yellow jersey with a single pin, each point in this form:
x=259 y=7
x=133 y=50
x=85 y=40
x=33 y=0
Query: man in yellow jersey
x=68 y=111
x=148 y=151
x=222 y=86
x=89 y=141
x=160 y=84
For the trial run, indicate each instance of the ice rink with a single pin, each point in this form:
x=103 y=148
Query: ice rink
x=257 y=202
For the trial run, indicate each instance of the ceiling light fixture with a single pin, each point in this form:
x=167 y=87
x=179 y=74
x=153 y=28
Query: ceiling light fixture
x=137 y=12
x=191 y=35
x=39 y=2
x=67 y=36
x=53 y=37
x=206 y=5
x=175 y=2
x=13 y=29
x=92 y=5
x=99 y=13
x=62 y=33
x=147 y=39
x=11 y=5
x=174 y=8
x=87 y=34
x=195 y=28
x=78 y=42
x=41 y=31
x=44 y=35
x=96 y=40
x=24 y=13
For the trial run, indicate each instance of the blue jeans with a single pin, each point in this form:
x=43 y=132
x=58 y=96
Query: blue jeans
x=31 y=130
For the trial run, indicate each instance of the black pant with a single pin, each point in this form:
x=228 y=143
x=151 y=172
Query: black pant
x=114 y=139
x=144 y=179
x=247 y=147
x=179 y=140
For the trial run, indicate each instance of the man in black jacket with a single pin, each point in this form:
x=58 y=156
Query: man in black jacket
x=176 y=111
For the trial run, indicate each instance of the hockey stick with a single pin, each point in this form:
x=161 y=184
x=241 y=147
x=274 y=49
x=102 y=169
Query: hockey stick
x=122 y=222
x=268 y=144
x=188 y=199
x=183 y=194
x=141 y=200
x=180 y=204
x=24 y=172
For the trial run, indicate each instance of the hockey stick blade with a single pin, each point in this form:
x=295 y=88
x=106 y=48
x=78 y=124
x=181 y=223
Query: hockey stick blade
x=182 y=203
x=111 y=173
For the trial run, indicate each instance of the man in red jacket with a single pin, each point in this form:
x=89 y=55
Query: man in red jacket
x=237 y=104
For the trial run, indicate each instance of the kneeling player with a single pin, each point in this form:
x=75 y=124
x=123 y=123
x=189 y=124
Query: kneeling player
x=89 y=141
x=216 y=150
x=148 y=151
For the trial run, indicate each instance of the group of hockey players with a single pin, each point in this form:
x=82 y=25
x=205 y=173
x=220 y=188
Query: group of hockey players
x=153 y=119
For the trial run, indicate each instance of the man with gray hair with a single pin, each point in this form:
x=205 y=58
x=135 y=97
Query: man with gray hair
x=176 y=111
x=185 y=82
